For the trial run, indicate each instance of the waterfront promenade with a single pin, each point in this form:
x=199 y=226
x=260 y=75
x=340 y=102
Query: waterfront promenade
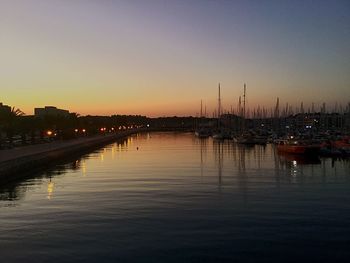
x=15 y=162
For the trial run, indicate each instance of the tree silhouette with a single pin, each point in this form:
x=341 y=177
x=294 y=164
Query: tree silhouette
x=8 y=120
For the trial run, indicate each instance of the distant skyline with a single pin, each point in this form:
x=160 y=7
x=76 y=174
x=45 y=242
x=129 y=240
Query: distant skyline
x=160 y=58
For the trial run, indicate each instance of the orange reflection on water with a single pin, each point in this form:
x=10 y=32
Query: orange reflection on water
x=50 y=188
x=83 y=167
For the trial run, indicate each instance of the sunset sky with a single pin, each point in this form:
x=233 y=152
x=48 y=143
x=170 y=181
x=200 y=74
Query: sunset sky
x=161 y=58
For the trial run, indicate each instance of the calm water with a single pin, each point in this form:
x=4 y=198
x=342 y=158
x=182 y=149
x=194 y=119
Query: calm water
x=177 y=198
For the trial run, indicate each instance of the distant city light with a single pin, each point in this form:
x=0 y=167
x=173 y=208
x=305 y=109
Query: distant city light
x=49 y=133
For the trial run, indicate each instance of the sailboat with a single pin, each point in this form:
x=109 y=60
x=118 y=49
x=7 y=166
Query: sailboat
x=221 y=133
x=248 y=138
x=201 y=131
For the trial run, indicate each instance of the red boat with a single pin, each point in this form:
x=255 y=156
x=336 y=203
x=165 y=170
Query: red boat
x=297 y=147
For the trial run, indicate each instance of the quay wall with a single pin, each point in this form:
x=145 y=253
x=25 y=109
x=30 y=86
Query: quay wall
x=18 y=162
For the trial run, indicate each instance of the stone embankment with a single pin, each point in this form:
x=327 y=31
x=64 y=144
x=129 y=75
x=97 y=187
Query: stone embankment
x=16 y=162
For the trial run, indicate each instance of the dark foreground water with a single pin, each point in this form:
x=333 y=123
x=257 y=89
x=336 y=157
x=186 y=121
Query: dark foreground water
x=177 y=198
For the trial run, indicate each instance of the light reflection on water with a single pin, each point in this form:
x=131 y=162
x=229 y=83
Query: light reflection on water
x=171 y=197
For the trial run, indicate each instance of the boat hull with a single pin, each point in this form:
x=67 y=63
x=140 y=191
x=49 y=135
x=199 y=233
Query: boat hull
x=251 y=140
x=299 y=149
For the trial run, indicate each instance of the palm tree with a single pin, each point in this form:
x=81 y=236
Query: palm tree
x=4 y=112
x=8 y=120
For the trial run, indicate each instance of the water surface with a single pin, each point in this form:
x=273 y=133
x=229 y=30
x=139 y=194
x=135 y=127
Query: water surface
x=171 y=197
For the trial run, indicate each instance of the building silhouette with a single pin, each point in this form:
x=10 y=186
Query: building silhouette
x=50 y=111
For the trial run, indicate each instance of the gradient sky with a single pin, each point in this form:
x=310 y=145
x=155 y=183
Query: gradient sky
x=161 y=58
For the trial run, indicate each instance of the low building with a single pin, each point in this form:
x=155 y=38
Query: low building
x=50 y=111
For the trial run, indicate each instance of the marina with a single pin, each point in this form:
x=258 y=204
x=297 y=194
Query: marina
x=174 y=131
x=172 y=197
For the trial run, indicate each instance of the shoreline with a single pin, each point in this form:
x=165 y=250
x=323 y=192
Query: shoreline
x=14 y=163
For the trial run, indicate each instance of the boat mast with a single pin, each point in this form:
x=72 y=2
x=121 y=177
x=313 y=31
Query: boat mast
x=244 y=101
x=277 y=109
x=244 y=95
x=277 y=115
x=219 y=107
x=219 y=103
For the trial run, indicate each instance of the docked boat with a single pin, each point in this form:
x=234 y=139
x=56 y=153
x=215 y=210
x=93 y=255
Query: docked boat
x=251 y=139
x=297 y=147
x=218 y=136
x=245 y=139
x=222 y=135
x=203 y=133
x=343 y=145
x=260 y=140
x=336 y=148
x=248 y=137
